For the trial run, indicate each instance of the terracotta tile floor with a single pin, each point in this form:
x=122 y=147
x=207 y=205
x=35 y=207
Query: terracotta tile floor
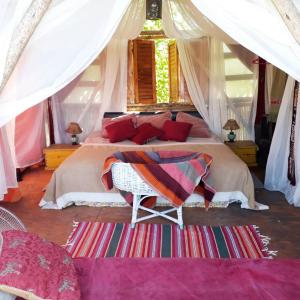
x=281 y=222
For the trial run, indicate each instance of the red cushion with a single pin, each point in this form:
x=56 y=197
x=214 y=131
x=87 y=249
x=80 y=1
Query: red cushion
x=145 y=133
x=108 y=121
x=121 y=131
x=176 y=131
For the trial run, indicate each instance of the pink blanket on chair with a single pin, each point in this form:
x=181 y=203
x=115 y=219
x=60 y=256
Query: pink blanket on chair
x=188 y=278
x=174 y=175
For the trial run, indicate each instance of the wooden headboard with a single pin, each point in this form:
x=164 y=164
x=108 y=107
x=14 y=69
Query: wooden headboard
x=174 y=113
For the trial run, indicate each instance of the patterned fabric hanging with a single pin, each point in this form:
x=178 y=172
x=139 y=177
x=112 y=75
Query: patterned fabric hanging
x=291 y=160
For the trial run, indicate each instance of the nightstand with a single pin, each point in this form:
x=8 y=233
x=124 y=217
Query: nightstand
x=245 y=150
x=56 y=154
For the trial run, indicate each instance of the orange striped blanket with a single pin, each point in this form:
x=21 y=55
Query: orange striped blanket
x=174 y=175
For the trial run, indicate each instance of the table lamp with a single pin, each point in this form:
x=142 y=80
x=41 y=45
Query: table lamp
x=74 y=129
x=231 y=125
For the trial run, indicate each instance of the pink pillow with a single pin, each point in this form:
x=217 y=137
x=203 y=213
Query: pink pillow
x=145 y=133
x=109 y=121
x=176 y=131
x=120 y=131
x=157 y=120
x=33 y=268
x=199 y=129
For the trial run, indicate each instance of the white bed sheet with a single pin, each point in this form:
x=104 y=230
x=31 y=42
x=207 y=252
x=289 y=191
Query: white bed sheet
x=95 y=138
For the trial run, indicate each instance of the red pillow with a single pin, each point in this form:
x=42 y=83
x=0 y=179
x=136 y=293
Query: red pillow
x=109 y=121
x=176 y=131
x=145 y=133
x=199 y=129
x=121 y=131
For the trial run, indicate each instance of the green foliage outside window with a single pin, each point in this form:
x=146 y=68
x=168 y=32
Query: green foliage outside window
x=152 y=25
x=161 y=62
x=162 y=70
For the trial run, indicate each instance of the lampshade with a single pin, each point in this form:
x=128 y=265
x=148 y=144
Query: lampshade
x=231 y=124
x=74 y=128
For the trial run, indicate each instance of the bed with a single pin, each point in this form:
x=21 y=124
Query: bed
x=77 y=181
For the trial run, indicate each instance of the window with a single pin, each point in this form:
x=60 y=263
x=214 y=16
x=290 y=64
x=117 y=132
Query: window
x=154 y=70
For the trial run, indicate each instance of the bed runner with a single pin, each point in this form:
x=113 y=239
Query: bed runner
x=95 y=239
x=174 y=175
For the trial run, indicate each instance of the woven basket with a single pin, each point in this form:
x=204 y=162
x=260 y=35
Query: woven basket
x=8 y=221
x=125 y=178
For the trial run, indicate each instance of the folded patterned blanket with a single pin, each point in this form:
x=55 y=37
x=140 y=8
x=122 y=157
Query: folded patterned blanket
x=174 y=175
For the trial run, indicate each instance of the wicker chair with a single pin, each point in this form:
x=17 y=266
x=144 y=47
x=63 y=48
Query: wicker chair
x=8 y=221
x=125 y=178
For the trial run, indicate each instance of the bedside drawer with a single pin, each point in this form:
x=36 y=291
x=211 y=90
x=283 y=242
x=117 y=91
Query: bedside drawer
x=56 y=154
x=245 y=151
x=248 y=158
x=53 y=163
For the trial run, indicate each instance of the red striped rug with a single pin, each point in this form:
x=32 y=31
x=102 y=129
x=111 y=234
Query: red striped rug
x=166 y=240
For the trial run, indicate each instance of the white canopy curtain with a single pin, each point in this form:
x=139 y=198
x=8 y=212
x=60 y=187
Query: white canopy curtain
x=182 y=21
x=103 y=85
x=70 y=36
x=277 y=166
x=242 y=94
x=11 y=14
x=30 y=136
x=258 y=26
x=7 y=160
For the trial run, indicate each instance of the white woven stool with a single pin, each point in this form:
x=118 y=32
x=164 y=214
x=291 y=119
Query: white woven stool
x=125 y=178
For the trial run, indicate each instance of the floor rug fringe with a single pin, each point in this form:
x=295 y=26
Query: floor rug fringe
x=71 y=237
x=266 y=242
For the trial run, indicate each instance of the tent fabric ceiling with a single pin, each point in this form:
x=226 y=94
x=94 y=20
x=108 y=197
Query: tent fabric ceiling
x=73 y=32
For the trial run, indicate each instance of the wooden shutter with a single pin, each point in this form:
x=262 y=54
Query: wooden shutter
x=173 y=72
x=144 y=71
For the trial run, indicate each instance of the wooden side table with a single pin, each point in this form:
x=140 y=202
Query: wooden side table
x=245 y=150
x=56 y=154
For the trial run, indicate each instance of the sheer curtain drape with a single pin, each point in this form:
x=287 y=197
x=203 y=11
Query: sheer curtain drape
x=57 y=52
x=258 y=26
x=242 y=105
x=103 y=85
x=7 y=159
x=277 y=165
x=30 y=137
x=195 y=35
x=70 y=36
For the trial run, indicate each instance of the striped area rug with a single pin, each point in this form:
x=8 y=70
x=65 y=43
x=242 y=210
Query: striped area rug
x=166 y=240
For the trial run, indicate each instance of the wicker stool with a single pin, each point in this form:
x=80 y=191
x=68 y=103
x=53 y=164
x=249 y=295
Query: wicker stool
x=8 y=221
x=125 y=178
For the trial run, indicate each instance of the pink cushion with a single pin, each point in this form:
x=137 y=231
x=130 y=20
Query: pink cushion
x=199 y=129
x=32 y=267
x=157 y=120
x=176 y=131
x=109 y=121
x=120 y=131
x=145 y=133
